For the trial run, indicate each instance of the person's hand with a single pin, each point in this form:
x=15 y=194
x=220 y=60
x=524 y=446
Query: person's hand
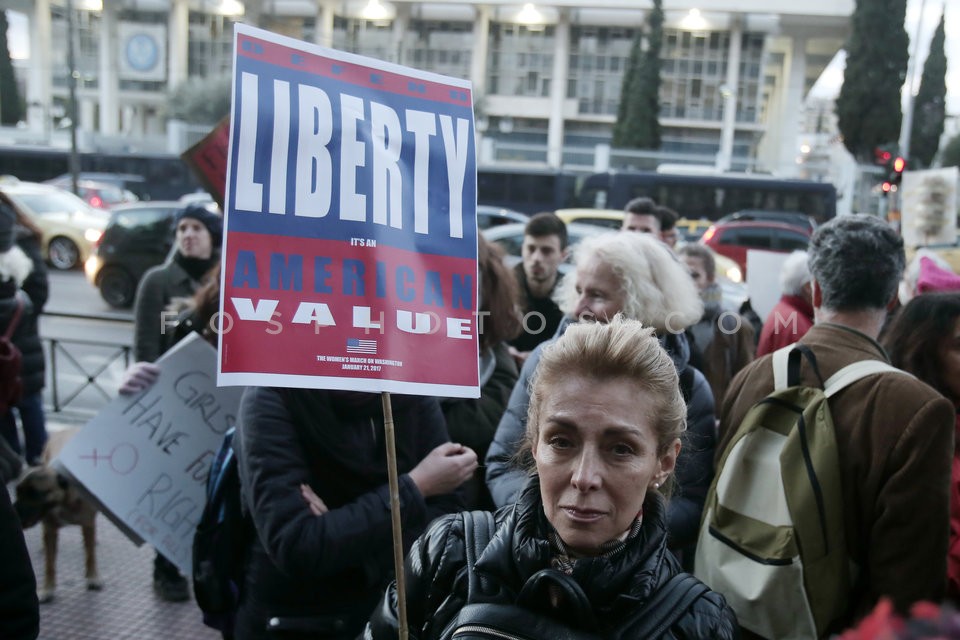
x=444 y=469
x=138 y=377
x=317 y=506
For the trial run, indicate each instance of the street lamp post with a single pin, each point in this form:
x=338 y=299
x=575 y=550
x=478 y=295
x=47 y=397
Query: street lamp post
x=72 y=85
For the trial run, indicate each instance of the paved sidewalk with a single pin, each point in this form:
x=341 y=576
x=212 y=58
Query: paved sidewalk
x=126 y=607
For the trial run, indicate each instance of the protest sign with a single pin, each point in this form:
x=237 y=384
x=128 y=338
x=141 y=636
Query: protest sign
x=763 y=280
x=928 y=214
x=208 y=159
x=351 y=242
x=145 y=457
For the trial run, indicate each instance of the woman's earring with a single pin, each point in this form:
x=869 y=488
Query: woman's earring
x=656 y=485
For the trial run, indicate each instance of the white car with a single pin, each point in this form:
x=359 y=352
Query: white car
x=510 y=238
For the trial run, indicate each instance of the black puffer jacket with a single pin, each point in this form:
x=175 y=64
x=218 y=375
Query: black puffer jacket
x=436 y=575
x=37 y=288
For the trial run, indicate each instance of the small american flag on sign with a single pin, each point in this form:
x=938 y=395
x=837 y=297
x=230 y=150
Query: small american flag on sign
x=361 y=346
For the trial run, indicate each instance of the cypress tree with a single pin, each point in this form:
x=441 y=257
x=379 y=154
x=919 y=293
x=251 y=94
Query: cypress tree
x=623 y=128
x=11 y=109
x=929 y=105
x=638 y=115
x=868 y=107
x=951 y=153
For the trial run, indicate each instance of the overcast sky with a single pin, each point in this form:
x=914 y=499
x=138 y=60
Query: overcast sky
x=832 y=78
x=829 y=83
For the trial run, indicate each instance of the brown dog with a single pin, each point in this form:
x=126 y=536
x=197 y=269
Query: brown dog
x=43 y=495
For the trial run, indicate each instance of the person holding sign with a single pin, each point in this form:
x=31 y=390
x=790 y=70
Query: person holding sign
x=199 y=233
x=583 y=551
x=313 y=475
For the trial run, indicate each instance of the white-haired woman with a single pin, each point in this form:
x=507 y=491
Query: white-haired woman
x=583 y=550
x=792 y=316
x=636 y=275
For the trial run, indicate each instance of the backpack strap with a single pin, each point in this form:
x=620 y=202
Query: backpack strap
x=786 y=365
x=15 y=320
x=853 y=372
x=665 y=607
x=478 y=529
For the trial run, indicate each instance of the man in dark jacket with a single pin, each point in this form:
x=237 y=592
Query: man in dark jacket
x=544 y=248
x=636 y=275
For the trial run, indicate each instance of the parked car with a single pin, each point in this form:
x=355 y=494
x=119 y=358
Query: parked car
x=692 y=229
x=489 y=216
x=510 y=236
x=138 y=236
x=734 y=239
x=132 y=182
x=607 y=218
x=101 y=195
x=794 y=218
x=70 y=226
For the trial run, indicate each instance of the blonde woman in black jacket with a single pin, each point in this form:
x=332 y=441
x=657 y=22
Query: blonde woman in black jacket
x=585 y=544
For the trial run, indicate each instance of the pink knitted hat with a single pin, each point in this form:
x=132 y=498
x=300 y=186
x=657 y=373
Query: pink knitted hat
x=935 y=278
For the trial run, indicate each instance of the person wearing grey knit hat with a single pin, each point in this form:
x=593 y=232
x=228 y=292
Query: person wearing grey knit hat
x=209 y=219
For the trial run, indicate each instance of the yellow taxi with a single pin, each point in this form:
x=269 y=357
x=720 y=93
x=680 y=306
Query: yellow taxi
x=70 y=226
x=691 y=229
x=608 y=218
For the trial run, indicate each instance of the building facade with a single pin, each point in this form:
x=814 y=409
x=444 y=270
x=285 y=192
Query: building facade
x=546 y=77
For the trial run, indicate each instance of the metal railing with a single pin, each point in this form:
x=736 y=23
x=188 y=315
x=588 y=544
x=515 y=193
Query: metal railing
x=70 y=373
x=59 y=347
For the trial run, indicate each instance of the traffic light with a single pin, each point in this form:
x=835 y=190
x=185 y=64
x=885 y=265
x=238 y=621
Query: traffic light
x=882 y=156
x=896 y=173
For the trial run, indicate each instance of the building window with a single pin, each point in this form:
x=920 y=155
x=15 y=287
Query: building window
x=520 y=60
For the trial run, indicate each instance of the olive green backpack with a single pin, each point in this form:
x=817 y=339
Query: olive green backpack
x=772 y=537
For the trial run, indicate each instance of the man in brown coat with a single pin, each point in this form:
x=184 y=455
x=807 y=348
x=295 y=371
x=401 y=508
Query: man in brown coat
x=894 y=433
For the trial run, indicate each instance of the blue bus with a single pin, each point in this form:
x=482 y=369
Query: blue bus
x=527 y=190
x=710 y=195
x=165 y=176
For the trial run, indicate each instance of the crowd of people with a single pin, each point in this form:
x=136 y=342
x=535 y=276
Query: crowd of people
x=609 y=396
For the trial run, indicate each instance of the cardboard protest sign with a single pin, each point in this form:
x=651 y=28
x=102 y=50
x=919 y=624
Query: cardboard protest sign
x=929 y=209
x=763 y=280
x=145 y=457
x=208 y=159
x=351 y=242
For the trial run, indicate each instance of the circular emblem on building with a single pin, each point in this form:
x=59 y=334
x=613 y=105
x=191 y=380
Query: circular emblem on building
x=142 y=52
